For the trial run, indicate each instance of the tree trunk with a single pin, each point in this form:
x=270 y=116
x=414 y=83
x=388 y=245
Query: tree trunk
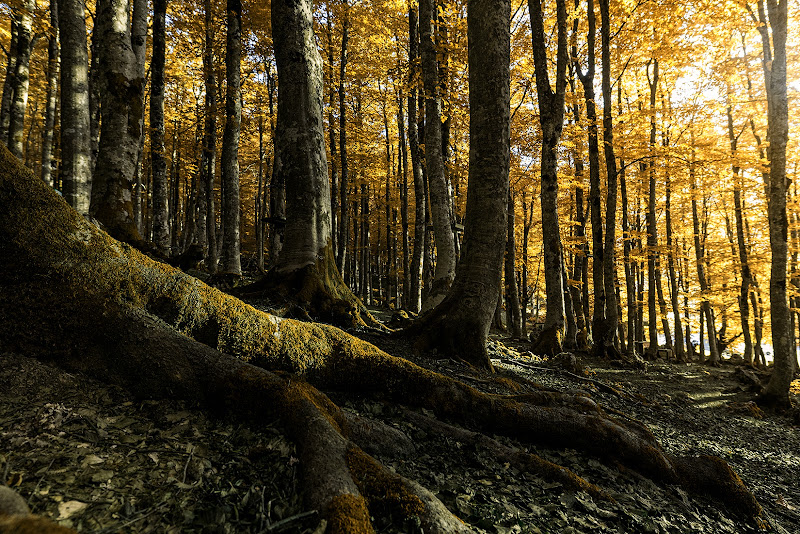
x=680 y=353
x=440 y=197
x=334 y=163
x=306 y=268
x=231 y=239
x=652 y=235
x=158 y=162
x=513 y=319
x=403 y=170
x=21 y=79
x=414 y=299
x=777 y=390
x=609 y=254
x=52 y=95
x=8 y=83
x=206 y=205
x=459 y=325
x=121 y=96
x=75 y=129
x=344 y=223
x=551 y=117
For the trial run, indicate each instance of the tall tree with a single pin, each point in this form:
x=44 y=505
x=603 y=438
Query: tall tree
x=231 y=240
x=158 y=162
x=344 y=232
x=551 y=118
x=306 y=268
x=414 y=298
x=8 y=81
x=122 y=103
x=76 y=159
x=21 y=79
x=207 y=221
x=777 y=390
x=459 y=325
x=52 y=96
x=439 y=191
x=513 y=317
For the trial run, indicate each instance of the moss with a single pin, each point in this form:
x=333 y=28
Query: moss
x=348 y=514
x=385 y=491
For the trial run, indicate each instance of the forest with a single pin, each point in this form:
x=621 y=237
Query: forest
x=399 y=266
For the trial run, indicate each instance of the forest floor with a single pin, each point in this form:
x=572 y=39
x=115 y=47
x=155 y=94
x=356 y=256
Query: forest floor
x=94 y=458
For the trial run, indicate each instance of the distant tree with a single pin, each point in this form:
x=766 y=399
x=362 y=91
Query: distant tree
x=21 y=78
x=52 y=96
x=158 y=161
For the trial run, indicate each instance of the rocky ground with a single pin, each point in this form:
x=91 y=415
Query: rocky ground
x=94 y=458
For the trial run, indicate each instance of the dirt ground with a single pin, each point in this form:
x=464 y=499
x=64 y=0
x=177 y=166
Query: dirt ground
x=95 y=458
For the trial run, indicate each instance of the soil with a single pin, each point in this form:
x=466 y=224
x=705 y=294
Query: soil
x=95 y=458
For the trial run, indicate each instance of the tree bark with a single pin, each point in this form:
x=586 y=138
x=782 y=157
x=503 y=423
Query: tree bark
x=122 y=101
x=8 y=82
x=680 y=353
x=306 y=267
x=206 y=200
x=458 y=327
x=231 y=239
x=21 y=79
x=344 y=223
x=440 y=196
x=52 y=96
x=158 y=163
x=414 y=299
x=76 y=158
x=513 y=319
x=551 y=118
x=777 y=390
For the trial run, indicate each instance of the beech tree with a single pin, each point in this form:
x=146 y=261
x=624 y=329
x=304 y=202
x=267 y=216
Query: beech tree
x=76 y=158
x=551 y=118
x=231 y=241
x=52 y=95
x=122 y=77
x=161 y=231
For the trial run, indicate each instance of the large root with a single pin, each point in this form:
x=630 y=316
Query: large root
x=72 y=293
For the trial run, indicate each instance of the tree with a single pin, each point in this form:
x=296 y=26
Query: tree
x=122 y=77
x=551 y=118
x=52 y=95
x=777 y=390
x=434 y=162
x=459 y=325
x=414 y=299
x=75 y=148
x=21 y=79
x=231 y=241
x=160 y=332
x=207 y=217
x=306 y=266
x=158 y=160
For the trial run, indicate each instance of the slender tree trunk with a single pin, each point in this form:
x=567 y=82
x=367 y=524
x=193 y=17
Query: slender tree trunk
x=513 y=319
x=334 y=161
x=609 y=256
x=343 y=182
x=95 y=85
x=440 y=196
x=259 y=200
x=8 y=83
x=158 y=162
x=551 y=117
x=403 y=170
x=21 y=79
x=52 y=97
x=652 y=235
x=526 y=228
x=209 y=157
x=75 y=129
x=122 y=95
x=414 y=299
x=231 y=206
x=680 y=353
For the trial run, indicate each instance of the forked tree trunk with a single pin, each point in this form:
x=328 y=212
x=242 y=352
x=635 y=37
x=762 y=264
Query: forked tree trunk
x=160 y=332
x=440 y=197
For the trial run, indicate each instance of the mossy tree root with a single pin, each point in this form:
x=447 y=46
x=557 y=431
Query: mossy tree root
x=71 y=292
